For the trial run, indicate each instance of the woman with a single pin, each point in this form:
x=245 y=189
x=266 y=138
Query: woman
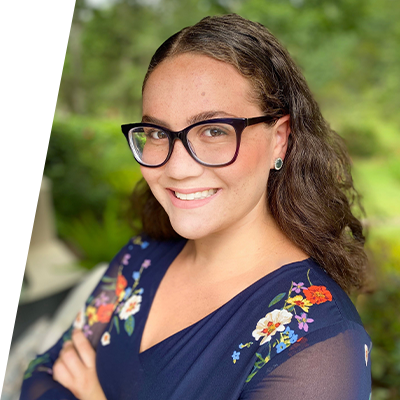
x=237 y=288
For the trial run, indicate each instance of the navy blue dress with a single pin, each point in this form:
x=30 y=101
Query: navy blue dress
x=291 y=334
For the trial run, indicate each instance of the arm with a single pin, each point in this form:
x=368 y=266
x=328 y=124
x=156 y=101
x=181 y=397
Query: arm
x=38 y=379
x=335 y=368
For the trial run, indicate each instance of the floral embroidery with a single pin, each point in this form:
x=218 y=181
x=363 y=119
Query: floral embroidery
x=104 y=312
x=131 y=307
x=297 y=287
x=300 y=301
x=121 y=284
x=272 y=323
x=275 y=329
x=235 y=356
x=317 y=294
x=91 y=313
x=105 y=339
x=304 y=321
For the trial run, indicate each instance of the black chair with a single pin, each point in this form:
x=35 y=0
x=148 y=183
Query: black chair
x=15 y=201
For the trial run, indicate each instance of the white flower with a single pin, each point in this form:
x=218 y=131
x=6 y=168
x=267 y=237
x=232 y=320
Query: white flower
x=131 y=306
x=80 y=319
x=273 y=322
x=105 y=339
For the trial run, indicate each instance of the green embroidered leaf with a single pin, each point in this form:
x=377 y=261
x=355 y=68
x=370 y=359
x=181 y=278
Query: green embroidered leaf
x=108 y=279
x=34 y=363
x=130 y=325
x=109 y=287
x=116 y=323
x=276 y=299
x=291 y=308
x=259 y=356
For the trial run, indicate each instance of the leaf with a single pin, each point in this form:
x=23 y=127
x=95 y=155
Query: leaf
x=291 y=308
x=116 y=323
x=130 y=325
x=109 y=287
x=107 y=279
x=276 y=299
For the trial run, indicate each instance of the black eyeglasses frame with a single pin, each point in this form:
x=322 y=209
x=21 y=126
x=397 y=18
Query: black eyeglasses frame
x=239 y=124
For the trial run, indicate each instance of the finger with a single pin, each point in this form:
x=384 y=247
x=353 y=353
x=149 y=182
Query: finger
x=62 y=374
x=70 y=358
x=84 y=348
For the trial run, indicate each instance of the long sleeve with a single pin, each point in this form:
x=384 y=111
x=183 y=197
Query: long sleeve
x=93 y=319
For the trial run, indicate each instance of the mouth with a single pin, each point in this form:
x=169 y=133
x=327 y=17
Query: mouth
x=195 y=195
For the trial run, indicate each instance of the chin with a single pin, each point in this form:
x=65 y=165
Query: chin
x=190 y=230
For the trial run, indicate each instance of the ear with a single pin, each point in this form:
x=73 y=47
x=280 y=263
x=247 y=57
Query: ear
x=281 y=136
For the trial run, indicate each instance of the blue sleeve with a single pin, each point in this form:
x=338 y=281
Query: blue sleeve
x=331 y=363
x=38 y=382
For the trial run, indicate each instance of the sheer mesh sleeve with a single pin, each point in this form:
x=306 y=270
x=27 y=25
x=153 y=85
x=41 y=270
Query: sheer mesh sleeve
x=336 y=368
x=92 y=319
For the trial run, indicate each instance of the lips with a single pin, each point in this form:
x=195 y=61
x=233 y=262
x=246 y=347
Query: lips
x=200 y=195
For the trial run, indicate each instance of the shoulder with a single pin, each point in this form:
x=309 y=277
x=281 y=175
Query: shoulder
x=297 y=306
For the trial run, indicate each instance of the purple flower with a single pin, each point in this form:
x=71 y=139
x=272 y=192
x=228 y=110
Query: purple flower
x=102 y=299
x=86 y=331
x=146 y=263
x=125 y=259
x=297 y=287
x=304 y=321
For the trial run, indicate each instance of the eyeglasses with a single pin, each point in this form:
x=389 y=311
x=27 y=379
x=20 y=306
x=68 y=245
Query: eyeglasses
x=212 y=143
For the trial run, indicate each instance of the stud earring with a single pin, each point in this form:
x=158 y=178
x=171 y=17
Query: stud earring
x=278 y=163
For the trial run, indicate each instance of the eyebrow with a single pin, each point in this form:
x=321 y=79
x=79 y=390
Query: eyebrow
x=192 y=120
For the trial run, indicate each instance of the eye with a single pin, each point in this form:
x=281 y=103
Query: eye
x=156 y=134
x=214 y=132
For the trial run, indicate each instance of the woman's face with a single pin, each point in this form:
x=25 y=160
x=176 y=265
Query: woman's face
x=190 y=87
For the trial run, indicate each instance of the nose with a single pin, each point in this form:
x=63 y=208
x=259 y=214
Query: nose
x=181 y=164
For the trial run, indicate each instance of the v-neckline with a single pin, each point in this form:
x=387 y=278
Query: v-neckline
x=258 y=282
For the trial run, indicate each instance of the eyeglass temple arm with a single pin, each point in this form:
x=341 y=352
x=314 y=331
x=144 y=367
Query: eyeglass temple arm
x=257 y=120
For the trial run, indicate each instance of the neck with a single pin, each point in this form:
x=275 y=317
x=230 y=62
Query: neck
x=256 y=243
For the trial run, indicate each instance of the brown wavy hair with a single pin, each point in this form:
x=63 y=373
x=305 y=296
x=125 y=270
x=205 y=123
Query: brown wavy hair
x=312 y=196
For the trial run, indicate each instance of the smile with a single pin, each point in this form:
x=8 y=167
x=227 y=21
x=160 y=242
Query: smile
x=196 y=195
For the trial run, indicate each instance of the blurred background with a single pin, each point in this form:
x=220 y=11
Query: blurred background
x=349 y=52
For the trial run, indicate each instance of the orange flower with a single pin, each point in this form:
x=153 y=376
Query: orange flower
x=121 y=284
x=104 y=312
x=317 y=294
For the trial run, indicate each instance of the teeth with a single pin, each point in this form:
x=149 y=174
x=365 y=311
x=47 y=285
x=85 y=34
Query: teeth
x=197 y=195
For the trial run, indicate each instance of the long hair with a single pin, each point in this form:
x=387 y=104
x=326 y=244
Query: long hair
x=311 y=197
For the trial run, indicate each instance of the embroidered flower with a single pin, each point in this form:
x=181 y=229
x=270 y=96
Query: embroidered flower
x=105 y=339
x=300 y=302
x=101 y=299
x=280 y=347
x=131 y=307
x=128 y=292
x=104 y=312
x=86 y=331
x=292 y=336
x=273 y=322
x=235 y=356
x=298 y=286
x=304 y=321
x=136 y=275
x=91 y=313
x=120 y=285
x=125 y=259
x=146 y=263
x=80 y=319
x=317 y=294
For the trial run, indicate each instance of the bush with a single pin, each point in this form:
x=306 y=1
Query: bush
x=92 y=172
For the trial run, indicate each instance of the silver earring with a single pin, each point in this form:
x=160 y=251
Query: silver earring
x=278 y=163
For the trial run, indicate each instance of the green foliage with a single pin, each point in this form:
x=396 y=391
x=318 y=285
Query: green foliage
x=97 y=240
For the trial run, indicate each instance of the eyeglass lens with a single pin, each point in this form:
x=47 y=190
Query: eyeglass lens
x=212 y=144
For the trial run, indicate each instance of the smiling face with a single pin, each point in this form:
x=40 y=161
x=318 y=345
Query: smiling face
x=202 y=201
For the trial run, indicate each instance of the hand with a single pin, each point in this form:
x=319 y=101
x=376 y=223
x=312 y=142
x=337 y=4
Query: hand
x=75 y=368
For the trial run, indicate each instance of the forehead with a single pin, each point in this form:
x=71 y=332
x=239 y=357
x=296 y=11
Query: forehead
x=192 y=83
